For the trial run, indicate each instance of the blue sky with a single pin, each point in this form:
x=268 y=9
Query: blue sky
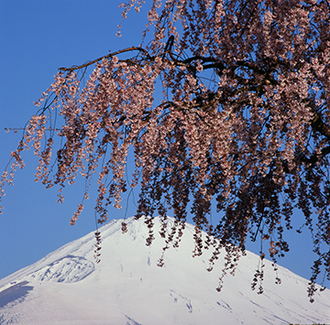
x=38 y=37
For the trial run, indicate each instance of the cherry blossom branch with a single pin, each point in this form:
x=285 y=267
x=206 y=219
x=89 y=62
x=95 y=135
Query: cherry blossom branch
x=110 y=55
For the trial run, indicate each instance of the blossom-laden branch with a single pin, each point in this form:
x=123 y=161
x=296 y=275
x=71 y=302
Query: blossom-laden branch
x=243 y=122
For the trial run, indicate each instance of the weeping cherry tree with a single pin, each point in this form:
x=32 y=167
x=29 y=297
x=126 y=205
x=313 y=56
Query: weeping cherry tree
x=224 y=103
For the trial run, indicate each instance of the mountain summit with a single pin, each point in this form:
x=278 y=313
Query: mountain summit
x=127 y=287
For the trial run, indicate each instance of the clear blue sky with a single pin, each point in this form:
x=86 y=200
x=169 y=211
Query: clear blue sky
x=38 y=37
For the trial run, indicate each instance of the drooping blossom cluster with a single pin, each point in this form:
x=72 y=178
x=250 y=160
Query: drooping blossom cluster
x=228 y=104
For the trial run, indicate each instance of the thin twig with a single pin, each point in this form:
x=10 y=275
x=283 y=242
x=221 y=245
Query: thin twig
x=76 y=67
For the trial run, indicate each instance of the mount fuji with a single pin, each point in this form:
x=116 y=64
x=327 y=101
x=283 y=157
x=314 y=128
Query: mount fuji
x=127 y=287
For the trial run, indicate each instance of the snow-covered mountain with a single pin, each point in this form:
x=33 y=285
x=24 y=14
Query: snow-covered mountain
x=127 y=286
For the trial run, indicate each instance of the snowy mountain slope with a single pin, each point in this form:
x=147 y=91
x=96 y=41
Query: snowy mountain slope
x=127 y=286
